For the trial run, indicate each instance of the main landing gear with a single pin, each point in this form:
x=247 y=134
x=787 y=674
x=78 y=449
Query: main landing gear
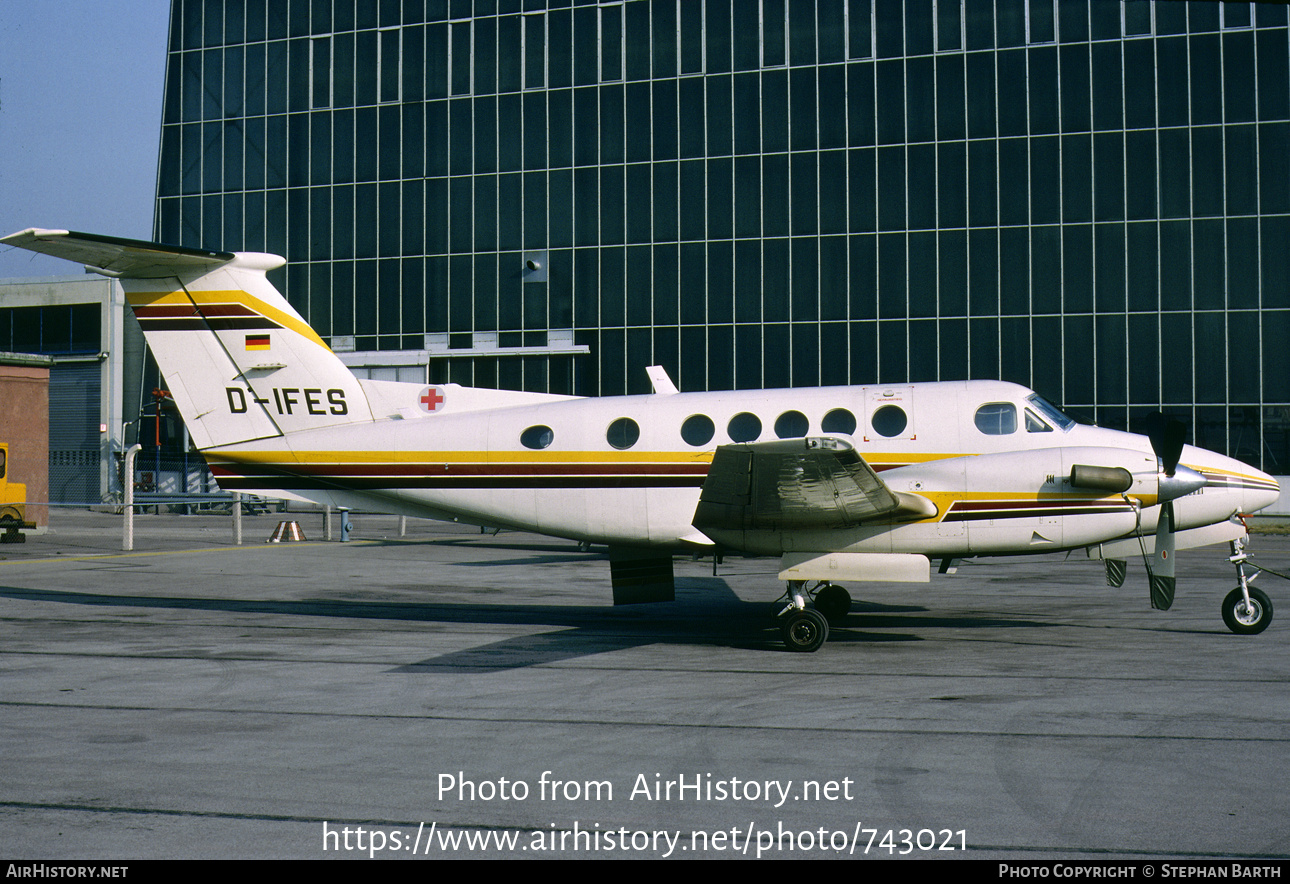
x=1246 y=610
x=806 y=628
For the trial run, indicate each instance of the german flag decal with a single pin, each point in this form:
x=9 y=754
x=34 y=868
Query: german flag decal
x=257 y=342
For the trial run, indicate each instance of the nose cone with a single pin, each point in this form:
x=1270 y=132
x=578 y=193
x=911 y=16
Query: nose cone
x=1261 y=490
x=1256 y=488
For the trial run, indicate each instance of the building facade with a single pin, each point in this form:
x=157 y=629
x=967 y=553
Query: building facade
x=1089 y=197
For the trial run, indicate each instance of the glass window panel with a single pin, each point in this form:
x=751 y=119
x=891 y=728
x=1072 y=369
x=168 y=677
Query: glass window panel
x=775 y=286
x=611 y=43
x=665 y=285
x=952 y=273
x=1175 y=265
x=611 y=204
x=864 y=275
x=1046 y=269
x=1045 y=97
x=774 y=111
x=772 y=31
x=922 y=260
x=833 y=191
x=1108 y=81
x=1078 y=359
x=1274 y=185
x=1242 y=263
x=1241 y=159
x=1274 y=233
x=612 y=293
x=1108 y=172
x=560 y=53
x=611 y=124
x=775 y=207
x=892 y=275
x=1207 y=163
x=1205 y=65
x=860 y=106
x=981 y=94
x=691 y=37
x=1143 y=267
x=533 y=51
x=720 y=199
x=1075 y=95
x=1109 y=255
x=1014 y=270
x=1012 y=85
x=693 y=283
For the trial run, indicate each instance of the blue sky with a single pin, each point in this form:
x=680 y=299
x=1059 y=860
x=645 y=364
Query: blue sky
x=80 y=120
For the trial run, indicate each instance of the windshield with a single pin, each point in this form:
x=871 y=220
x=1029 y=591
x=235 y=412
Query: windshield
x=1050 y=411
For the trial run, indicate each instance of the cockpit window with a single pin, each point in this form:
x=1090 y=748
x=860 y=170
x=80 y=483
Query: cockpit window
x=1050 y=412
x=997 y=418
x=1034 y=424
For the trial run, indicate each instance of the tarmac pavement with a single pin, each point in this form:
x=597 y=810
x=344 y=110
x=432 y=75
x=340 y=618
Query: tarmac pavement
x=450 y=690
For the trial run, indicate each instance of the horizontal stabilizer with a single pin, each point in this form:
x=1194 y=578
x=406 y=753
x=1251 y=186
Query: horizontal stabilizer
x=113 y=256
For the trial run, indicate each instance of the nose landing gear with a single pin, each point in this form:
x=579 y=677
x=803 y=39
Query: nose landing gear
x=1246 y=610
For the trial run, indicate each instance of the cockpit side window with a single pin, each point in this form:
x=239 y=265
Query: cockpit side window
x=1050 y=412
x=997 y=418
x=1034 y=424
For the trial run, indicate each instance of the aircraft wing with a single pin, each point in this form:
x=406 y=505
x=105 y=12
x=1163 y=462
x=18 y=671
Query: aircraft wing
x=113 y=256
x=797 y=484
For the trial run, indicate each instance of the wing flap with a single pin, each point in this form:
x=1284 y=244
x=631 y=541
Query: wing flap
x=797 y=484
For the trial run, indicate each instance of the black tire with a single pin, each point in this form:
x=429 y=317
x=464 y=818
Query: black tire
x=1245 y=621
x=833 y=602
x=805 y=631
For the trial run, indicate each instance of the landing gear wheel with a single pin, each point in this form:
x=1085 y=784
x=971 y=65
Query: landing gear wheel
x=1243 y=619
x=832 y=601
x=805 y=630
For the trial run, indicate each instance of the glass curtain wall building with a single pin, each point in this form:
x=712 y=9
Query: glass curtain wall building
x=1089 y=197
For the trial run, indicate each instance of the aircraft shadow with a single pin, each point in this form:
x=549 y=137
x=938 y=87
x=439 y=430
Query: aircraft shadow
x=706 y=612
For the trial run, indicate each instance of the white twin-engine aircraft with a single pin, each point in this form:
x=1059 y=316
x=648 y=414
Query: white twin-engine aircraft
x=864 y=483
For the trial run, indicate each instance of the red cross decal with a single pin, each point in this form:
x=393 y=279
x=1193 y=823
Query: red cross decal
x=431 y=399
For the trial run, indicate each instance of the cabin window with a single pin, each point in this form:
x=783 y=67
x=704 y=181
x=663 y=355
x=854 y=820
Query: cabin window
x=997 y=418
x=791 y=425
x=698 y=429
x=839 y=420
x=537 y=438
x=623 y=433
x=890 y=420
x=744 y=427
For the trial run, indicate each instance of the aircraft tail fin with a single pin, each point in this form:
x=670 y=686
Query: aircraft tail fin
x=237 y=358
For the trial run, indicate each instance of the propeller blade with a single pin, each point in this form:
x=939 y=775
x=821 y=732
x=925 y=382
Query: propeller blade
x=1161 y=570
x=1115 y=571
x=1167 y=435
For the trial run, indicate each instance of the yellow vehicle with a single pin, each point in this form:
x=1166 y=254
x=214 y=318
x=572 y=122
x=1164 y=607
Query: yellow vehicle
x=13 y=508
